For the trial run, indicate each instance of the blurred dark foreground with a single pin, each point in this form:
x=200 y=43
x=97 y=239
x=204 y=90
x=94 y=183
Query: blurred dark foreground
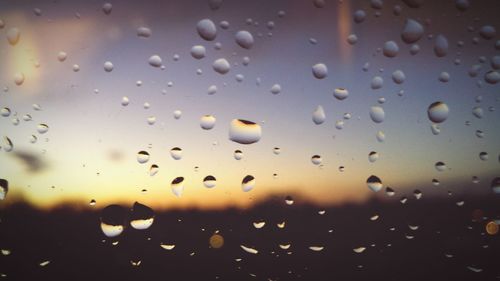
x=450 y=243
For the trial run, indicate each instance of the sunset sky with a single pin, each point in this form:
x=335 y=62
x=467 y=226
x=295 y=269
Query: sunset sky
x=90 y=150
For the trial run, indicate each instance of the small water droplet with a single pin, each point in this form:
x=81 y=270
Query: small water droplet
x=244 y=39
x=438 y=112
x=320 y=70
x=340 y=93
x=390 y=49
x=318 y=115
x=373 y=156
x=221 y=66
x=206 y=29
x=248 y=183
x=107 y=8
x=249 y=250
x=42 y=128
x=440 y=166
x=244 y=132
x=155 y=61
x=377 y=83
x=177 y=186
x=4 y=188
x=377 y=114
x=238 y=154
x=209 y=181
x=142 y=216
x=19 y=78
x=176 y=153
x=5 y=112
x=108 y=66
x=13 y=35
x=412 y=31
x=275 y=89
x=374 y=183
x=144 y=32
x=441 y=46
x=398 y=77
x=316 y=159
x=142 y=157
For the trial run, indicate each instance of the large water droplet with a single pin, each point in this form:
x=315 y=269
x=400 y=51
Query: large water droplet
x=373 y=156
x=112 y=220
x=155 y=61
x=316 y=159
x=4 y=189
x=398 y=76
x=320 y=70
x=438 y=112
x=177 y=186
x=244 y=39
x=248 y=183
x=390 y=49
x=441 y=46
x=13 y=35
x=374 y=183
x=377 y=114
x=377 y=83
x=142 y=216
x=176 y=153
x=42 y=128
x=318 y=115
x=412 y=31
x=206 y=29
x=107 y=8
x=221 y=66
x=209 y=181
x=207 y=122
x=142 y=157
x=340 y=93
x=198 y=52
x=244 y=132
x=108 y=66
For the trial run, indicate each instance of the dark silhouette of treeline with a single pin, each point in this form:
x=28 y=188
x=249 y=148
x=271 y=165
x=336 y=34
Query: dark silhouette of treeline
x=450 y=243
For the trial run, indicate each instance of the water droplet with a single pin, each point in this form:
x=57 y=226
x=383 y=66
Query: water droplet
x=275 y=89
x=112 y=220
x=107 y=8
x=42 y=128
x=125 y=101
x=316 y=159
x=176 y=153
x=441 y=46
x=359 y=16
x=398 y=77
x=62 y=56
x=5 y=112
x=142 y=216
x=244 y=39
x=108 y=66
x=495 y=185
x=320 y=70
x=444 y=77
x=244 y=132
x=206 y=29
x=318 y=115
x=153 y=170
x=33 y=139
x=142 y=157
x=438 y=112
x=417 y=193
x=44 y=263
x=259 y=224
x=207 y=122
x=390 y=49
x=248 y=183
x=216 y=241
x=492 y=77
x=492 y=228
x=390 y=192
x=377 y=83
x=144 y=32
x=177 y=186
x=276 y=150
x=289 y=200
x=374 y=183
x=377 y=114
x=155 y=61
x=352 y=39
x=340 y=93
x=238 y=155
x=484 y=156
x=167 y=247
x=221 y=66
x=4 y=189
x=359 y=250
x=435 y=129
x=412 y=31
x=373 y=156
x=487 y=32
x=249 y=250
x=198 y=52
x=316 y=248
x=440 y=166
x=478 y=112
x=19 y=78
x=13 y=35
x=151 y=120
x=209 y=181
x=380 y=136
